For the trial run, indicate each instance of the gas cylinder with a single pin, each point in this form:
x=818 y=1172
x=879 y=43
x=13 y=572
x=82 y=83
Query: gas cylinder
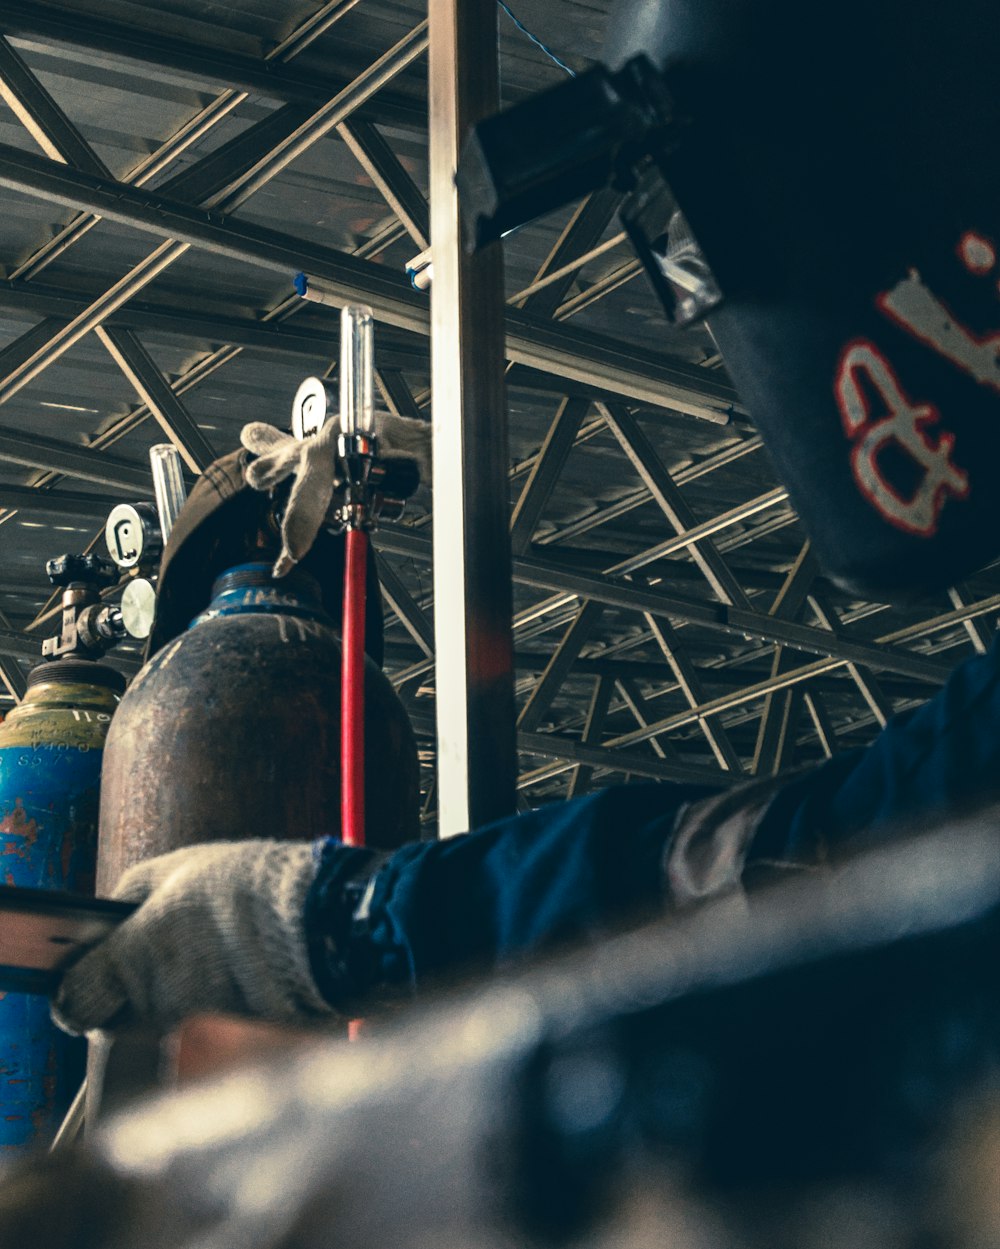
x=232 y=731
x=50 y=765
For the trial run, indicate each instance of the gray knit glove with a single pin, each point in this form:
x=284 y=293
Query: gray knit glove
x=315 y=466
x=220 y=928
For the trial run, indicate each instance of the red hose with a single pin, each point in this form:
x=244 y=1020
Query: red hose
x=352 y=691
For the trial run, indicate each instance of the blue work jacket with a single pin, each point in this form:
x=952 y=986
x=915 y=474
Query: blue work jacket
x=573 y=871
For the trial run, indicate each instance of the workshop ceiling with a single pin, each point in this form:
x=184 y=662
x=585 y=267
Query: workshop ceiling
x=670 y=623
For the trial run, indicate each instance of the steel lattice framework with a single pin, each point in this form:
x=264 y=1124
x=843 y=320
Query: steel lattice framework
x=164 y=172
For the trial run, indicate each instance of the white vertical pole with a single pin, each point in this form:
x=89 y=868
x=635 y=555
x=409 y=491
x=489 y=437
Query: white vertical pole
x=472 y=586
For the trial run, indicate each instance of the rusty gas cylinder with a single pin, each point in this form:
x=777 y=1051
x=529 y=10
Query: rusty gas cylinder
x=50 y=766
x=232 y=731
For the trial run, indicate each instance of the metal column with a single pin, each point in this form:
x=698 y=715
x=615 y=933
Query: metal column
x=472 y=572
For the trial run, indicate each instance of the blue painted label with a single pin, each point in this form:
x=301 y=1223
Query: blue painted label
x=48 y=840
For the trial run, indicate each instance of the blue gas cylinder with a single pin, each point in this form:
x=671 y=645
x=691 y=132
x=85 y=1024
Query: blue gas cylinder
x=51 y=747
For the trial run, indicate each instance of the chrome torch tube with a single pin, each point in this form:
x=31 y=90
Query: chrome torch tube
x=168 y=484
x=357 y=404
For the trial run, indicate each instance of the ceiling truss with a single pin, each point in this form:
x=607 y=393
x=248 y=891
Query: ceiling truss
x=673 y=627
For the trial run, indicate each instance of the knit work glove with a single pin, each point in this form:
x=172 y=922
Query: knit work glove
x=316 y=467
x=220 y=928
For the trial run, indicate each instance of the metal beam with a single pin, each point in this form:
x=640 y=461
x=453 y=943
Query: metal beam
x=549 y=745
x=574 y=353
x=474 y=701
x=581 y=233
x=825 y=733
x=154 y=390
x=61 y=503
x=734 y=516
x=394 y=184
x=60 y=140
x=15 y=353
x=776 y=734
x=569 y=271
x=611 y=281
x=639 y=708
x=226 y=198
x=545 y=472
x=212 y=171
x=198 y=321
x=397 y=395
x=18 y=646
x=725 y=619
x=593 y=727
x=980 y=634
x=205 y=63
x=559 y=665
x=882 y=655
x=411 y=616
x=190 y=132
x=197 y=373
x=327 y=117
x=216 y=173
x=626 y=671
x=13 y=678
x=671 y=502
x=36 y=110
x=306 y=32
x=868 y=686
x=708 y=464
x=36 y=451
x=687 y=678
x=11 y=674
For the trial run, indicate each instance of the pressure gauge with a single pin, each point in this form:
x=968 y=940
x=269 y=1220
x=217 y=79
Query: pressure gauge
x=132 y=533
x=139 y=607
x=313 y=405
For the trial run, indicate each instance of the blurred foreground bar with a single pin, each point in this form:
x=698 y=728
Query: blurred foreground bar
x=814 y=1068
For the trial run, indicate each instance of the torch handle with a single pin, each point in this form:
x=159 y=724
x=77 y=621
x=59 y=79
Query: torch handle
x=352 y=700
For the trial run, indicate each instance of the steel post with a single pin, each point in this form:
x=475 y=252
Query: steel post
x=477 y=760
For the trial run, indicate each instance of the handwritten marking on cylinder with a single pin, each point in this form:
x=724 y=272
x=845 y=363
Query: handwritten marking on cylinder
x=863 y=369
x=977 y=253
x=170 y=653
x=916 y=309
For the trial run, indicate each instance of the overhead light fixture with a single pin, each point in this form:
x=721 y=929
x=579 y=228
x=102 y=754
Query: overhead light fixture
x=68 y=407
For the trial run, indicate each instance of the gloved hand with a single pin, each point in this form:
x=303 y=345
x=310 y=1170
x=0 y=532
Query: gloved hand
x=220 y=928
x=314 y=464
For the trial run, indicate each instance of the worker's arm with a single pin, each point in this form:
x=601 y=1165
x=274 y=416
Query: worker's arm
x=208 y=935
x=253 y=927
x=567 y=872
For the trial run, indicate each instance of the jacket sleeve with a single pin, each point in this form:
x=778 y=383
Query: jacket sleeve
x=565 y=872
x=574 y=871
x=940 y=759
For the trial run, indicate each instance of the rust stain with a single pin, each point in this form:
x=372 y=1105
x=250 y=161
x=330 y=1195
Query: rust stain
x=66 y=853
x=18 y=824
x=42 y=1112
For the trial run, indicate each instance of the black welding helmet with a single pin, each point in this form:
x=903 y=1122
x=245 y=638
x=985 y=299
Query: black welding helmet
x=837 y=166
x=224 y=522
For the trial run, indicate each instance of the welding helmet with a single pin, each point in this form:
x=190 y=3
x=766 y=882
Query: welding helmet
x=837 y=167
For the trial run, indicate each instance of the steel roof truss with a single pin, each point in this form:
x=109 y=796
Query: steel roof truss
x=545 y=471
x=597 y=711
